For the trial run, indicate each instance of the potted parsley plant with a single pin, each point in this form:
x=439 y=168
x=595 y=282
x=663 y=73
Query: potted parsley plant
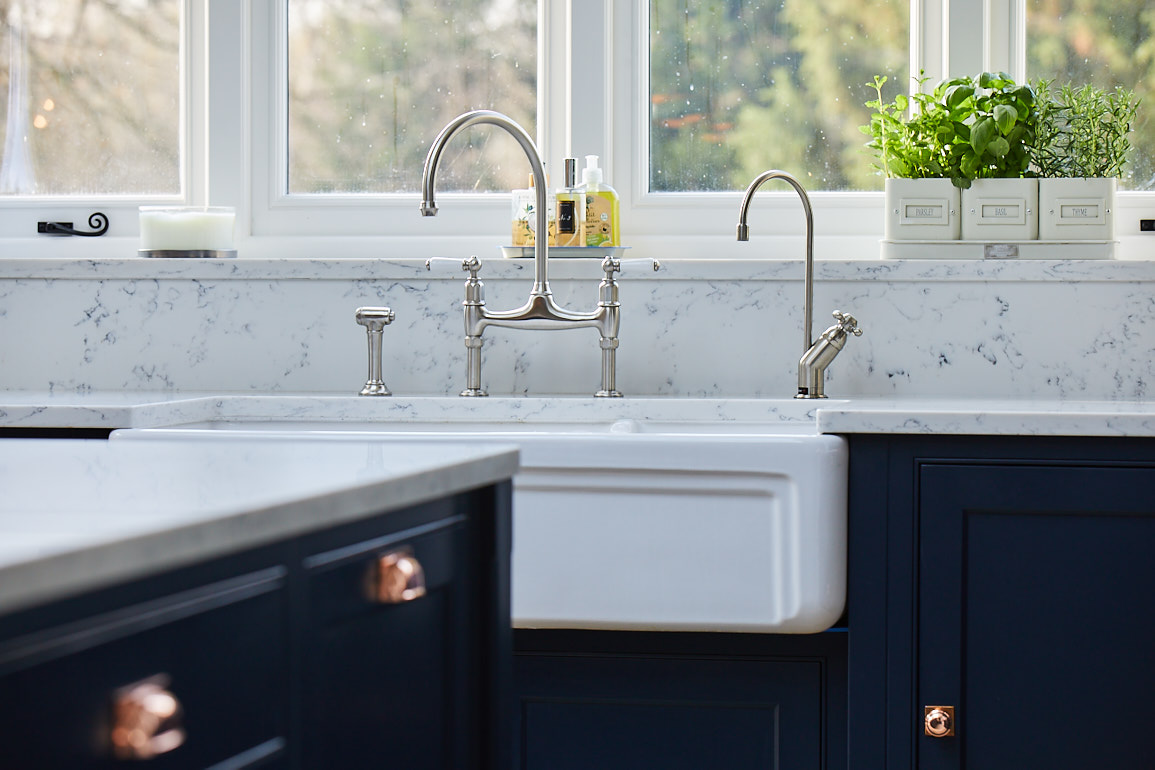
x=906 y=139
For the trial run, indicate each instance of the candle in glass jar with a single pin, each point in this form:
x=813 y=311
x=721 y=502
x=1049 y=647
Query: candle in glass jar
x=178 y=228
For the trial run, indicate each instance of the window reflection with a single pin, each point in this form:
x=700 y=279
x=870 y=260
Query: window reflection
x=93 y=97
x=371 y=82
x=739 y=86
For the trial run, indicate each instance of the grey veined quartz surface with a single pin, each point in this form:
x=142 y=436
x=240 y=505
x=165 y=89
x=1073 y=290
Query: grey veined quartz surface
x=960 y=416
x=80 y=514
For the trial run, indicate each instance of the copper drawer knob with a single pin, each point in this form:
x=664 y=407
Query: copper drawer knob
x=146 y=720
x=397 y=577
x=938 y=721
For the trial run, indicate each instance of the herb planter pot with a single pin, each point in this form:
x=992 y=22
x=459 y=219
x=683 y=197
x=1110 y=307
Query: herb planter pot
x=1001 y=210
x=922 y=210
x=1077 y=209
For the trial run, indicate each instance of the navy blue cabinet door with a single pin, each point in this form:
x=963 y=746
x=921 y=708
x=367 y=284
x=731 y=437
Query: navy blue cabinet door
x=1035 y=614
x=677 y=701
x=1008 y=577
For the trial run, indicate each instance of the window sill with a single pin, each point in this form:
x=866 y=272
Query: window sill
x=699 y=270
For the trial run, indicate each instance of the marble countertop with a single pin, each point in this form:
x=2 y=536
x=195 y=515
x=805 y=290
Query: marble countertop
x=78 y=514
x=962 y=416
x=634 y=267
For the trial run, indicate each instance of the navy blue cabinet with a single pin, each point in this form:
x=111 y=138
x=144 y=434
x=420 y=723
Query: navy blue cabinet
x=279 y=656
x=1009 y=579
x=624 y=700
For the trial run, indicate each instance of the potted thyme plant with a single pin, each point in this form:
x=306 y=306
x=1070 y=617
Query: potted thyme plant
x=906 y=136
x=1083 y=143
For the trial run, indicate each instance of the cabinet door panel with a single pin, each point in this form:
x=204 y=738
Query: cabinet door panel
x=388 y=683
x=1035 y=618
x=623 y=713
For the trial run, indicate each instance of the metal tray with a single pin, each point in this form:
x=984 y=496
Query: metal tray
x=566 y=252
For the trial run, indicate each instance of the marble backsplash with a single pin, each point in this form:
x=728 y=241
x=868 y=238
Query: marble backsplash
x=1068 y=330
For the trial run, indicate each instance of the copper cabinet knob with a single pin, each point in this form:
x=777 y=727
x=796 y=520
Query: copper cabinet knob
x=938 y=721
x=146 y=720
x=397 y=577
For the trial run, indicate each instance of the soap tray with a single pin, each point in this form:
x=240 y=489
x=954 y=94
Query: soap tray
x=565 y=252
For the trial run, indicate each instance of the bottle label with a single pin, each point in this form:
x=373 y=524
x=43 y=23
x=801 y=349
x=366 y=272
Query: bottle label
x=570 y=224
x=566 y=221
x=599 y=221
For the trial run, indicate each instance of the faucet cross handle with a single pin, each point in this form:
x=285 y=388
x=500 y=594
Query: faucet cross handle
x=374 y=319
x=472 y=266
x=847 y=323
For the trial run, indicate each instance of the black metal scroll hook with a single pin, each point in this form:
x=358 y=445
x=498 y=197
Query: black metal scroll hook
x=98 y=221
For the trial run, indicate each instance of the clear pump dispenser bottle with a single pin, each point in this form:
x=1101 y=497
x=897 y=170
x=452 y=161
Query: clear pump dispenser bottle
x=571 y=221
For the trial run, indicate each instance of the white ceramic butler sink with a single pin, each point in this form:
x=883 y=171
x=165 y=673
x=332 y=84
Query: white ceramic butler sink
x=625 y=522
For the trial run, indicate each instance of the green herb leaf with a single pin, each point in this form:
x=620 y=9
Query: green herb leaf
x=1005 y=117
x=957 y=94
x=982 y=133
x=970 y=164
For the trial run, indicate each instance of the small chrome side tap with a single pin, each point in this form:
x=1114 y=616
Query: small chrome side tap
x=374 y=319
x=540 y=311
x=816 y=356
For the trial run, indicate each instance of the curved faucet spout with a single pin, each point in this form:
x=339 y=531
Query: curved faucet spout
x=429 y=205
x=808 y=279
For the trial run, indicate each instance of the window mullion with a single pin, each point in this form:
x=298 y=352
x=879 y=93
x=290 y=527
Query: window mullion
x=591 y=84
x=929 y=42
x=267 y=123
x=553 y=83
x=966 y=35
x=195 y=60
x=226 y=178
x=1005 y=43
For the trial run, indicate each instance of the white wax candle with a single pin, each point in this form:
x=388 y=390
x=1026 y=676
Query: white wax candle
x=165 y=228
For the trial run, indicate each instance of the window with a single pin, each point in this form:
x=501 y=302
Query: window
x=737 y=88
x=312 y=117
x=370 y=83
x=1106 y=42
x=93 y=103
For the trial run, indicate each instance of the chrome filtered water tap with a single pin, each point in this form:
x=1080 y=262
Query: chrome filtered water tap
x=816 y=356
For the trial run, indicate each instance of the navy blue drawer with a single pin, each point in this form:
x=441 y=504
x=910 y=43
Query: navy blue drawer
x=220 y=650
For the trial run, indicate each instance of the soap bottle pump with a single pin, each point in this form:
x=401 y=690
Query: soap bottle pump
x=602 y=206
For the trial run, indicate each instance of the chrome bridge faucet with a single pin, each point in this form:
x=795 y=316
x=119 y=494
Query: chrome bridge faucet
x=540 y=311
x=816 y=356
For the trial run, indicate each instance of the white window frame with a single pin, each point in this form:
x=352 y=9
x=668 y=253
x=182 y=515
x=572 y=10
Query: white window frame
x=376 y=225
x=602 y=111
x=19 y=214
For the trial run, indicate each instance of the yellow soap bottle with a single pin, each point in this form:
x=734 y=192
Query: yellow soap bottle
x=603 y=227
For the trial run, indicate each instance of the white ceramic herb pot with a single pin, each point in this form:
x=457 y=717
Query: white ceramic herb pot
x=1001 y=210
x=1077 y=209
x=922 y=210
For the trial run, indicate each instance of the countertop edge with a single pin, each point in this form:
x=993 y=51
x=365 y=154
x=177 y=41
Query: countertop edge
x=897 y=415
x=102 y=564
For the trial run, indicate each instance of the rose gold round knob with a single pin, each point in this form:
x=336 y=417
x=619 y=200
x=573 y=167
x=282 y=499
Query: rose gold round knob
x=397 y=577
x=146 y=720
x=938 y=721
